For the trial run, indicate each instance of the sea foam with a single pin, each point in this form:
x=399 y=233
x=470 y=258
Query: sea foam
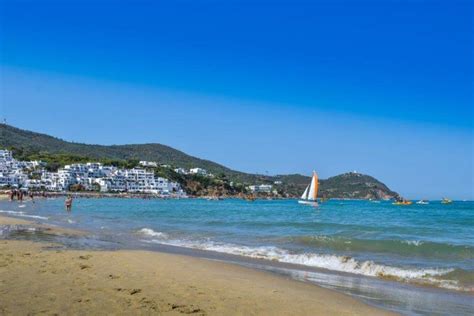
x=413 y=242
x=150 y=232
x=346 y=264
x=23 y=214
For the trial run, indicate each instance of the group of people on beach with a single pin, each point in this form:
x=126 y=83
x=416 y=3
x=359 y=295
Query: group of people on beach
x=19 y=195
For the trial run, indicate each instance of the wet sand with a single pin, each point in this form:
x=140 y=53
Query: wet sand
x=50 y=229
x=39 y=278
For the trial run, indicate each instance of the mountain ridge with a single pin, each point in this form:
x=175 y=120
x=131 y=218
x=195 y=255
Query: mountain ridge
x=348 y=185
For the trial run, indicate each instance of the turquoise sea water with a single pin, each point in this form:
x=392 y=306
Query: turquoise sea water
x=384 y=254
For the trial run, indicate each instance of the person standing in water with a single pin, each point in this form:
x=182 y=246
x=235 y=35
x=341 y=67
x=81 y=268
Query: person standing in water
x=68 y=203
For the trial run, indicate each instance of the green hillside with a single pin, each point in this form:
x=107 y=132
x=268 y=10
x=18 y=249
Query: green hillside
x=355 y=185
x=28 y=145
x=25 y=143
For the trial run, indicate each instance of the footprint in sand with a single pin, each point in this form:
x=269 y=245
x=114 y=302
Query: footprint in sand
x=185 y=309
x=84 y=266
x=134 y=291
x=130 y=291
x=85 y=257
x=148 y=303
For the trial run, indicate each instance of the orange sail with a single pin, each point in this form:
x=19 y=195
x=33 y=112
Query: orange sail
x=315 y=179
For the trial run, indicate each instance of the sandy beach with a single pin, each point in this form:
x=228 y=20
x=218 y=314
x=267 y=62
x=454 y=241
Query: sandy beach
x=41 y=278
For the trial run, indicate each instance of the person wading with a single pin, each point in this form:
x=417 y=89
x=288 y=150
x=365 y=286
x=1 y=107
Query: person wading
x=68 y=203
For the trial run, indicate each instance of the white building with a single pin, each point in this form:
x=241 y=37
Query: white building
x=199 y=171
x=181 y=171
x=11 y=170
x=112 y=184
x=50 y=181
x=5 y=155
x=90 y=176
x=262 y=188
x=30 y=164
x=14 y=178
x=150 y=164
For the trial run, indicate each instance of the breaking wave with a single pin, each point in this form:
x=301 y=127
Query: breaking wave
x=413 y=242
x=152 y=233
x=408 y=248
x=426 y=276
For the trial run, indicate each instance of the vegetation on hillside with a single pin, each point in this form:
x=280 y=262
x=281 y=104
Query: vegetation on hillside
x=56 y=153
x=355 y=186
x=26 y=143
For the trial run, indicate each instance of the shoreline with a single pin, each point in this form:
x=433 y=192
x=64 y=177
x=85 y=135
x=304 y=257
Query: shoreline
x=143 y=282
x=49 y=229
x=126 y=195
x=4 y=195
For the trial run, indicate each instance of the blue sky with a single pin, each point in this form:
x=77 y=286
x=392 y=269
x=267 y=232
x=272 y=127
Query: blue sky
x=381 y=87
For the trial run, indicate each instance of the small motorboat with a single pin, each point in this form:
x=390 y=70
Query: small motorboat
x=423 y=202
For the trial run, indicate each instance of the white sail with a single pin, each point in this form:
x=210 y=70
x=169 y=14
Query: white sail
x=313 y=189
x=305 y=193
x=311 y=192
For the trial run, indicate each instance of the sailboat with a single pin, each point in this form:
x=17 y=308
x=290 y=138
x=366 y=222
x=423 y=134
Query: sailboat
x=311 y=192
